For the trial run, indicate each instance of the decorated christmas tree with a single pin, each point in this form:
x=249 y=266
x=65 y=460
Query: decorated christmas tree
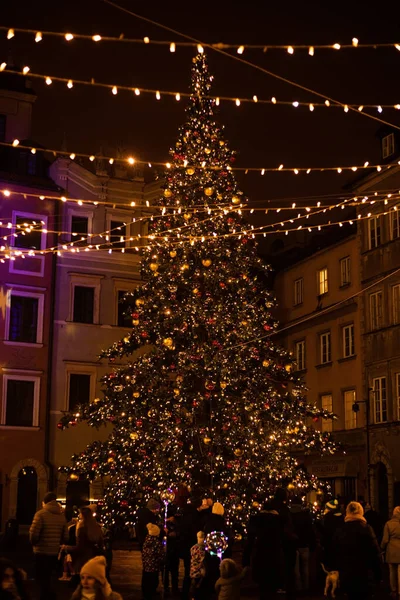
x=211 y=402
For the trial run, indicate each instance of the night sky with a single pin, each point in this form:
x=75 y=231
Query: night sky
x=262 y=135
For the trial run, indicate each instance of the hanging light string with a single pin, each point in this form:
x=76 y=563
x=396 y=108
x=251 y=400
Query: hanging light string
x=10 y=254
x=236 y=100
x=239 y=48
x=130 y=161
x=200 y=48
x=312 y=316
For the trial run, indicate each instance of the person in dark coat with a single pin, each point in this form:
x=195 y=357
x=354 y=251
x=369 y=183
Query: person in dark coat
x=172 y=552
x=304 y=530
x=332 y=521
x=149 y=514
x=290 y=540
x=264 y=550
x=190 y=524
x=12 y=581
x=374 y=520
x=357 y=553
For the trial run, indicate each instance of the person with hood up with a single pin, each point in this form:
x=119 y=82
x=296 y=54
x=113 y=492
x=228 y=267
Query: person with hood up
x=391 y=545
x=228 y=585
x=12 y=581
x=264 y=550
x=47 y=533
x=153 y=557
x=94 y=584
x=149 y=514
x=357 y=553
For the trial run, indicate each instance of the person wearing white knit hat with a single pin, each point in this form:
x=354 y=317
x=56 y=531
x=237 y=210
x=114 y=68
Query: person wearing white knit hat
x=94 y=584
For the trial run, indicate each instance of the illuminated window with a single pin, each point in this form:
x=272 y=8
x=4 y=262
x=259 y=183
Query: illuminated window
x=327 y=404
x=322 y=278
x=350 y=417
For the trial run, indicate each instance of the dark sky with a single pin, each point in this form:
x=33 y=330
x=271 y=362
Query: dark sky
x=263 y=135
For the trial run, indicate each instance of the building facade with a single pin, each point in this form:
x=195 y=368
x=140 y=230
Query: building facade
x=27 y=222
x=89 y=287
x=319 y=313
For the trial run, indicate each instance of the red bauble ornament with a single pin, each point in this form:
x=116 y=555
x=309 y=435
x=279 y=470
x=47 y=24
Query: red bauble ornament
x=222 y=285
x=95 y=465
x=315 y=419
x=60 y=426
x=230 y=220
x=139 y=422
x=210 y=385
x=267 y=406
x=211 y=322
x=144 y=334
x=135 y=315
x=207 y=396
x=72 y=423
x=124 y=503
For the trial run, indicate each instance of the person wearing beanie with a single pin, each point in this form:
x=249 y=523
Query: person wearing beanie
x=356 y=553
x=49 y=530
x=391 y=545
x=94 y=584
x=331 y=522
x=197 y=554
x=228 y=585
x=149 y=514
x=153 y=557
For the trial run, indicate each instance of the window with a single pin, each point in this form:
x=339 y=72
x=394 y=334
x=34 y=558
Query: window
x=21 y=406
x=345 y=271
x=78 y=390
x=24 y=317
x=396 y=303
x=326 y=404
x=350 y=417
x=322 y=276
x=380 y=399
x=30 y=239
x=117 y=234
x=388 y=145
x=3 y=121
x=397 y=394
x=325 y=347
x=83 y=304
x=348 y=340
x=300 y=350
x=298 y=291
x=375 y=308
x=79 y=229
x=374 y=232
x=394 y=225
x=124 y=320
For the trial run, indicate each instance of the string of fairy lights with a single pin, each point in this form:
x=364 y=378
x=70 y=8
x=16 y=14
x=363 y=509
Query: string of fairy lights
x=235 y=100
x=181 y=238
x=240 y=48
x=130 y=161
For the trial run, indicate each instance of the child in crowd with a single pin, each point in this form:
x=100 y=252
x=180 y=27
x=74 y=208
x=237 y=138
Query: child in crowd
x=152 y=559
x=197 y=553
x=94 y=585
x=228 y=585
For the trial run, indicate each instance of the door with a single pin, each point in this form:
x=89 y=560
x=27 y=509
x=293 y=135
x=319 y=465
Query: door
x=27 y=495
x=382 y=491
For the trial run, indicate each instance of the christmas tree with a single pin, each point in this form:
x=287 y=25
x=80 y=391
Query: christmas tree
x=213 y=403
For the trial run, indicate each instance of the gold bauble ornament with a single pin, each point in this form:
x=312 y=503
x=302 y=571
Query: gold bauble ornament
x=238 y=537
x=288 y=368
x=209 y=191
x=223 y=385
x=184 y=267
x=235 y=200
x=172 y=253
x=73 y=477
x=134 y=436
x=239 y=507
x=291 y=486
x=110 y=460
x=238 y=452
x=221 y=143
x=139 y=301
x=255 y=504
x=266 y=363
x=153 y=266
x=207 y=440
x=225 y=486
x=177 y=392
x=167 y=193
x=207 y=150
x=136 y=394
x=195 y=291
x=187 y=216
x=179 y=379
x=244 y=323
x=219 y=196
x=135 y=322
x=126 y=340
x=206 y=262
x=168 y=342
x=190 y=171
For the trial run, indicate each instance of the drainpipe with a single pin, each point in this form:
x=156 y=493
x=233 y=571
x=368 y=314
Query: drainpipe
x=48 y=463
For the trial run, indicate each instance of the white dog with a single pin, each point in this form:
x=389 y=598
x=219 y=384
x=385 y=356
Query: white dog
x=331 y=581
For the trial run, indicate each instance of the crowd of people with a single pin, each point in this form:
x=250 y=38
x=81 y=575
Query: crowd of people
x=286 y=548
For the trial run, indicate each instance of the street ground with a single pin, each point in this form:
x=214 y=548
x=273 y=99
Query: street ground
x=127 y=571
